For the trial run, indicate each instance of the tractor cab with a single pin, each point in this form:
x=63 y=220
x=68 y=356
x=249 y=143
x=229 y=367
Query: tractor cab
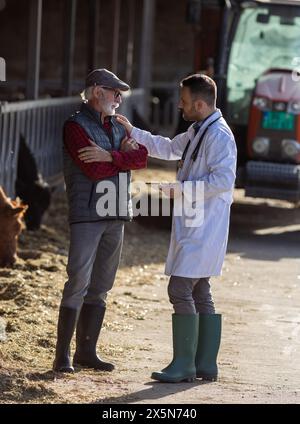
x=259 y=85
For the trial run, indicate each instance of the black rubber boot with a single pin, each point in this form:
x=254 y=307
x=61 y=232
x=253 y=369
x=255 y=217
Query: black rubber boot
x=65 y=330
x=208 y=346
x=87 y=333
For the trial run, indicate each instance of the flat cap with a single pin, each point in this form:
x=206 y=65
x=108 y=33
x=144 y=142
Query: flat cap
x=105 y=78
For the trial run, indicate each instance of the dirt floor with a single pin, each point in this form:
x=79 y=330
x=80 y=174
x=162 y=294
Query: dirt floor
x=258 y=295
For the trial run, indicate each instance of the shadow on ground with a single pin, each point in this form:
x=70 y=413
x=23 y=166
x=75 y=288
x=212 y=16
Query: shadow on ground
x=154 y=390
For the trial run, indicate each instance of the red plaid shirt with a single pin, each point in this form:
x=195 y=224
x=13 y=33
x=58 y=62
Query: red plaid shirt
x=75 y=138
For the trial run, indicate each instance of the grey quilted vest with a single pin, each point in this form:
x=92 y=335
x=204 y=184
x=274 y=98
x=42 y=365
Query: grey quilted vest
x=104 y=199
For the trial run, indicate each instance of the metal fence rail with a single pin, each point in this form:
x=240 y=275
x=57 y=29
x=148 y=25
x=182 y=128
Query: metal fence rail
x=41 y=122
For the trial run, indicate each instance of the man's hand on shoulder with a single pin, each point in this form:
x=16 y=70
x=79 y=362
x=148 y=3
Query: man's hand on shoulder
x=124 y=121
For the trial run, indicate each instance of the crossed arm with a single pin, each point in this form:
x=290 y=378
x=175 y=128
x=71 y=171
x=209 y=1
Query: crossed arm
x=97 y=163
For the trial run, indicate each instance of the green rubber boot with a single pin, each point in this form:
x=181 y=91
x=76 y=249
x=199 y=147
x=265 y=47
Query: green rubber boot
x=185 y=338
x=208 y=346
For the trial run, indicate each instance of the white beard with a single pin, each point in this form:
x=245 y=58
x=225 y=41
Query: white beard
x=109 y=108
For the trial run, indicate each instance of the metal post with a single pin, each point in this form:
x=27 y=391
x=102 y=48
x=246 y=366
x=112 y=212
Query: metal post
x=93 y=34
x=130 y=42
x=229 y=22
x=2 y=69
x=116 y=36
x=70 y=20
x=34 y=49
x=146 y=51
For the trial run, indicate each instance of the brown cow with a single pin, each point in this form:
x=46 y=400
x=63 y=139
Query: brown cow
x=11 y=225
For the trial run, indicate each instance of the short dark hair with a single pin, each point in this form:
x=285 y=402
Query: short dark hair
x=203 y=86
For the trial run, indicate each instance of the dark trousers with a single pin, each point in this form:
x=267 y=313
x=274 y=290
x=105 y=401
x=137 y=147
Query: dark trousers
x=190 y=295
x=94 y=256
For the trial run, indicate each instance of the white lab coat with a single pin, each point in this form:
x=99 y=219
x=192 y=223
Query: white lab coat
x=197 y=252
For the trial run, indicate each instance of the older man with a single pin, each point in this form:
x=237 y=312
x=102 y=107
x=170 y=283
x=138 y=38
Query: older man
x=92 y=135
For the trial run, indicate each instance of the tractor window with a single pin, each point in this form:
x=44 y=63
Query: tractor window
x=259 y=44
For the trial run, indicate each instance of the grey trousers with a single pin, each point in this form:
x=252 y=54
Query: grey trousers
x=190 y=295
x=94 y=256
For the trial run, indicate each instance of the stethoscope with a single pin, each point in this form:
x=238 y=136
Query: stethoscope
x=197 y=148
